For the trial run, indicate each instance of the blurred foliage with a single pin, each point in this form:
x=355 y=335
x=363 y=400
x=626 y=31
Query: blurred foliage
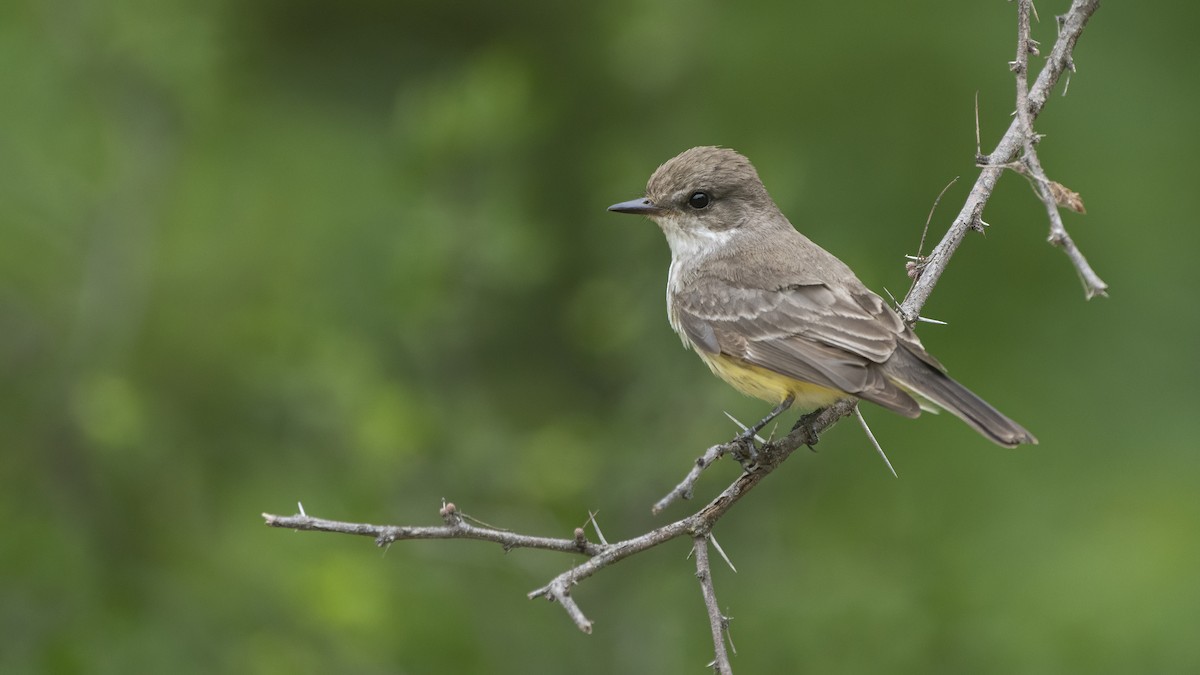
x=356 y=254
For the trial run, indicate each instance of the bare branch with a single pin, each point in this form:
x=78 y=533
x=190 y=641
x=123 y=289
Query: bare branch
x=1013 y=141
x=688 y=484
x=560 y=591
x=717 y=621
x=1045 y=188
x=456 y=527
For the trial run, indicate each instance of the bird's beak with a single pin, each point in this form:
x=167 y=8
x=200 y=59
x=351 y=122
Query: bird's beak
x=638 y=207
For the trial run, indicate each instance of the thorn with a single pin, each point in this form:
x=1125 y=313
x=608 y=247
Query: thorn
x=743 y=427
x=301 y=507
x=728 y=634
x=978 y=149
x=722 y=552
x=863 y=422
x=596 y=526
x=928 y=320
x=460 y=516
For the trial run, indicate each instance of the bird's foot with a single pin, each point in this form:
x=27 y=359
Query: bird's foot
x=804 y=425
x=744 y=449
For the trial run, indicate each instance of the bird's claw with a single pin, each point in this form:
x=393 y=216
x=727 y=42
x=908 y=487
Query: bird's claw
x=808 y=435
x=744 y=450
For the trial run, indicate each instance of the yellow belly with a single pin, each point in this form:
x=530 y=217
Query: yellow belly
x=768 y=385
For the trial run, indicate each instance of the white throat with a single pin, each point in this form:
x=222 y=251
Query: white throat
x=688 y=245
x=692 y=243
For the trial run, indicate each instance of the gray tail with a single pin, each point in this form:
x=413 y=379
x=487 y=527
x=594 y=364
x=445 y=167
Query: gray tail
x=925 y=381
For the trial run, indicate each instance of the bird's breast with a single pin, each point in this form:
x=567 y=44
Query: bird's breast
x=673 y=287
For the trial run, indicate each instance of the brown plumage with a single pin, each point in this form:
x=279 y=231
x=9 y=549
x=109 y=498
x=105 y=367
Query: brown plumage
x=776 y=315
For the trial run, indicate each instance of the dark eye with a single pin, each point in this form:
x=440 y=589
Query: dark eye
x=698 y=200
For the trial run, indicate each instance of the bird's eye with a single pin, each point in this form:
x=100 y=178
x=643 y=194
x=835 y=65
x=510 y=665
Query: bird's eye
x=698 y=200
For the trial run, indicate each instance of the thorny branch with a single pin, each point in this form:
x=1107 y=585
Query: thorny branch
x=1050 y=192
x=1019 y=139
x=1071 y=26
x=717 y=621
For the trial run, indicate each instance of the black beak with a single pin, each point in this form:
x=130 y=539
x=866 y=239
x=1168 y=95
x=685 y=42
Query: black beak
x=638 y=207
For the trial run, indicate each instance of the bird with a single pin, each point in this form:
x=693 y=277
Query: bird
x=780 y=318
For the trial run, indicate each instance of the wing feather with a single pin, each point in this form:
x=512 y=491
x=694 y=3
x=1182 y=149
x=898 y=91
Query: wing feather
x=808 y=332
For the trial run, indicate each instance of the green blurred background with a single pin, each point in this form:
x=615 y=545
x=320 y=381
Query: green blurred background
x=356 y=255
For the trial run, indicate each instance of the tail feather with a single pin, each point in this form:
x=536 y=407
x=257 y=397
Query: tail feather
x=926 y=382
